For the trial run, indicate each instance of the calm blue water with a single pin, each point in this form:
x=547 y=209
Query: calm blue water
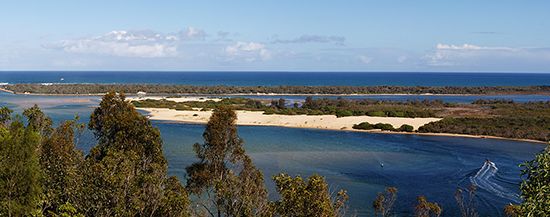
x=431 y=166
x=283 y=78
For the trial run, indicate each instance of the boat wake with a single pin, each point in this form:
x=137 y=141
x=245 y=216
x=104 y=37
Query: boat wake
x=485 y=179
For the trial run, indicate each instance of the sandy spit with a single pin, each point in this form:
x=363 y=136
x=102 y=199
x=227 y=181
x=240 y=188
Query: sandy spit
x=257 y=118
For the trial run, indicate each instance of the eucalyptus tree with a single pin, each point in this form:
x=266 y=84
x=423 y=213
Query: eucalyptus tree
x=20 y=189
x=225 y=180
x=125 y=173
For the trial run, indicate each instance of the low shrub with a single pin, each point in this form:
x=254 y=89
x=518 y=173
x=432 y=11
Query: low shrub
x=363 y=126
x=377 y=114
x=383 y=126
x=343 y=113
x=406 y=128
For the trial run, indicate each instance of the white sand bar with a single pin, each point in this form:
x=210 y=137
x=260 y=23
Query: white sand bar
x=176 y=99
x=257 y=118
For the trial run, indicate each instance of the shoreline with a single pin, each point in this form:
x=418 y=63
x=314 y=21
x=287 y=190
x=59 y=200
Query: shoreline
x=188 y=118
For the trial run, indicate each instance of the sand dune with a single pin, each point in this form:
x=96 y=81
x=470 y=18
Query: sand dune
x=257 y=118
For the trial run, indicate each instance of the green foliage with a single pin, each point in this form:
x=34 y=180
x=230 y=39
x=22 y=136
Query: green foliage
x=424 y=208
x=383 y=126
x=535 y=187
x=125 y=174
x=175 y=201
x=376 y=113
x=60 y=162
x=188 y=89
x=309 y=197
x=20 y=174
x=363 y=126
x=523 y=127
x=406 y=128
x=383 y=204
x=224 y=168
x=339 y=107
x=5 y=116
x=343 y=113
x=38 y=121
x=66 y=210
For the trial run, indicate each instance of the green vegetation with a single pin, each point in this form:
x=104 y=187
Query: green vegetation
x=20 y=189
x=228 y=191
x=43 y=174
x=309 y=197
x=383 y=126
x=339 y=107
x=405 y=128
x=363 y=126
x=482 y=117
x=498 y=118
x=188 y=89
x=535 y=187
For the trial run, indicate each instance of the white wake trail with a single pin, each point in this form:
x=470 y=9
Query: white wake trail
x=483 y=179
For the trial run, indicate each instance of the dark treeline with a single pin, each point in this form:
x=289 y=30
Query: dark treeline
x=189 y=89
x=323 y=106
x=125 y=174
x=498 y=118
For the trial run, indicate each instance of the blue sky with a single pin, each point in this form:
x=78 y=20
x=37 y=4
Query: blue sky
x=286 y=35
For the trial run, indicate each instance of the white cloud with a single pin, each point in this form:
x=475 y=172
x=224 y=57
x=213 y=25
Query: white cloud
x=365 y=59
x=249 y=51
x=145 y=44
x=312 y=39
x=470 y=47
x=192 y=33
x=477 y=56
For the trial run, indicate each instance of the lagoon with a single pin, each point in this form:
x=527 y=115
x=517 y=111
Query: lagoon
x=434 y=166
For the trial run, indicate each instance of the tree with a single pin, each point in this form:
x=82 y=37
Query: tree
x=281 y=104
x=20 y=173
x=309 y=103
x=125 y=174
x=424 y=208
x=224 y=174
x=311 y=197
x=60 y=162
x=535 y=187
x=38 y=121
x=5 y=116
x=383 y=204
x=65 y=210
x=467 y=205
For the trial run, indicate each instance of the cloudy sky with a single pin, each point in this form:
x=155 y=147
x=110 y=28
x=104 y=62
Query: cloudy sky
x=273 y=35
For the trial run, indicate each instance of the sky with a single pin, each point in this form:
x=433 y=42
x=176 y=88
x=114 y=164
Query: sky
x=276 y=35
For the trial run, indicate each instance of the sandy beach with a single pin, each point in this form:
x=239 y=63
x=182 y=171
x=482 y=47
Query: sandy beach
x=326 y=122
x=176 y=99
x=257 y=118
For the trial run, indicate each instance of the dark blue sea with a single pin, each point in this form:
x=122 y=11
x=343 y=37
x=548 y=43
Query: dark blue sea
x=281 y=78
